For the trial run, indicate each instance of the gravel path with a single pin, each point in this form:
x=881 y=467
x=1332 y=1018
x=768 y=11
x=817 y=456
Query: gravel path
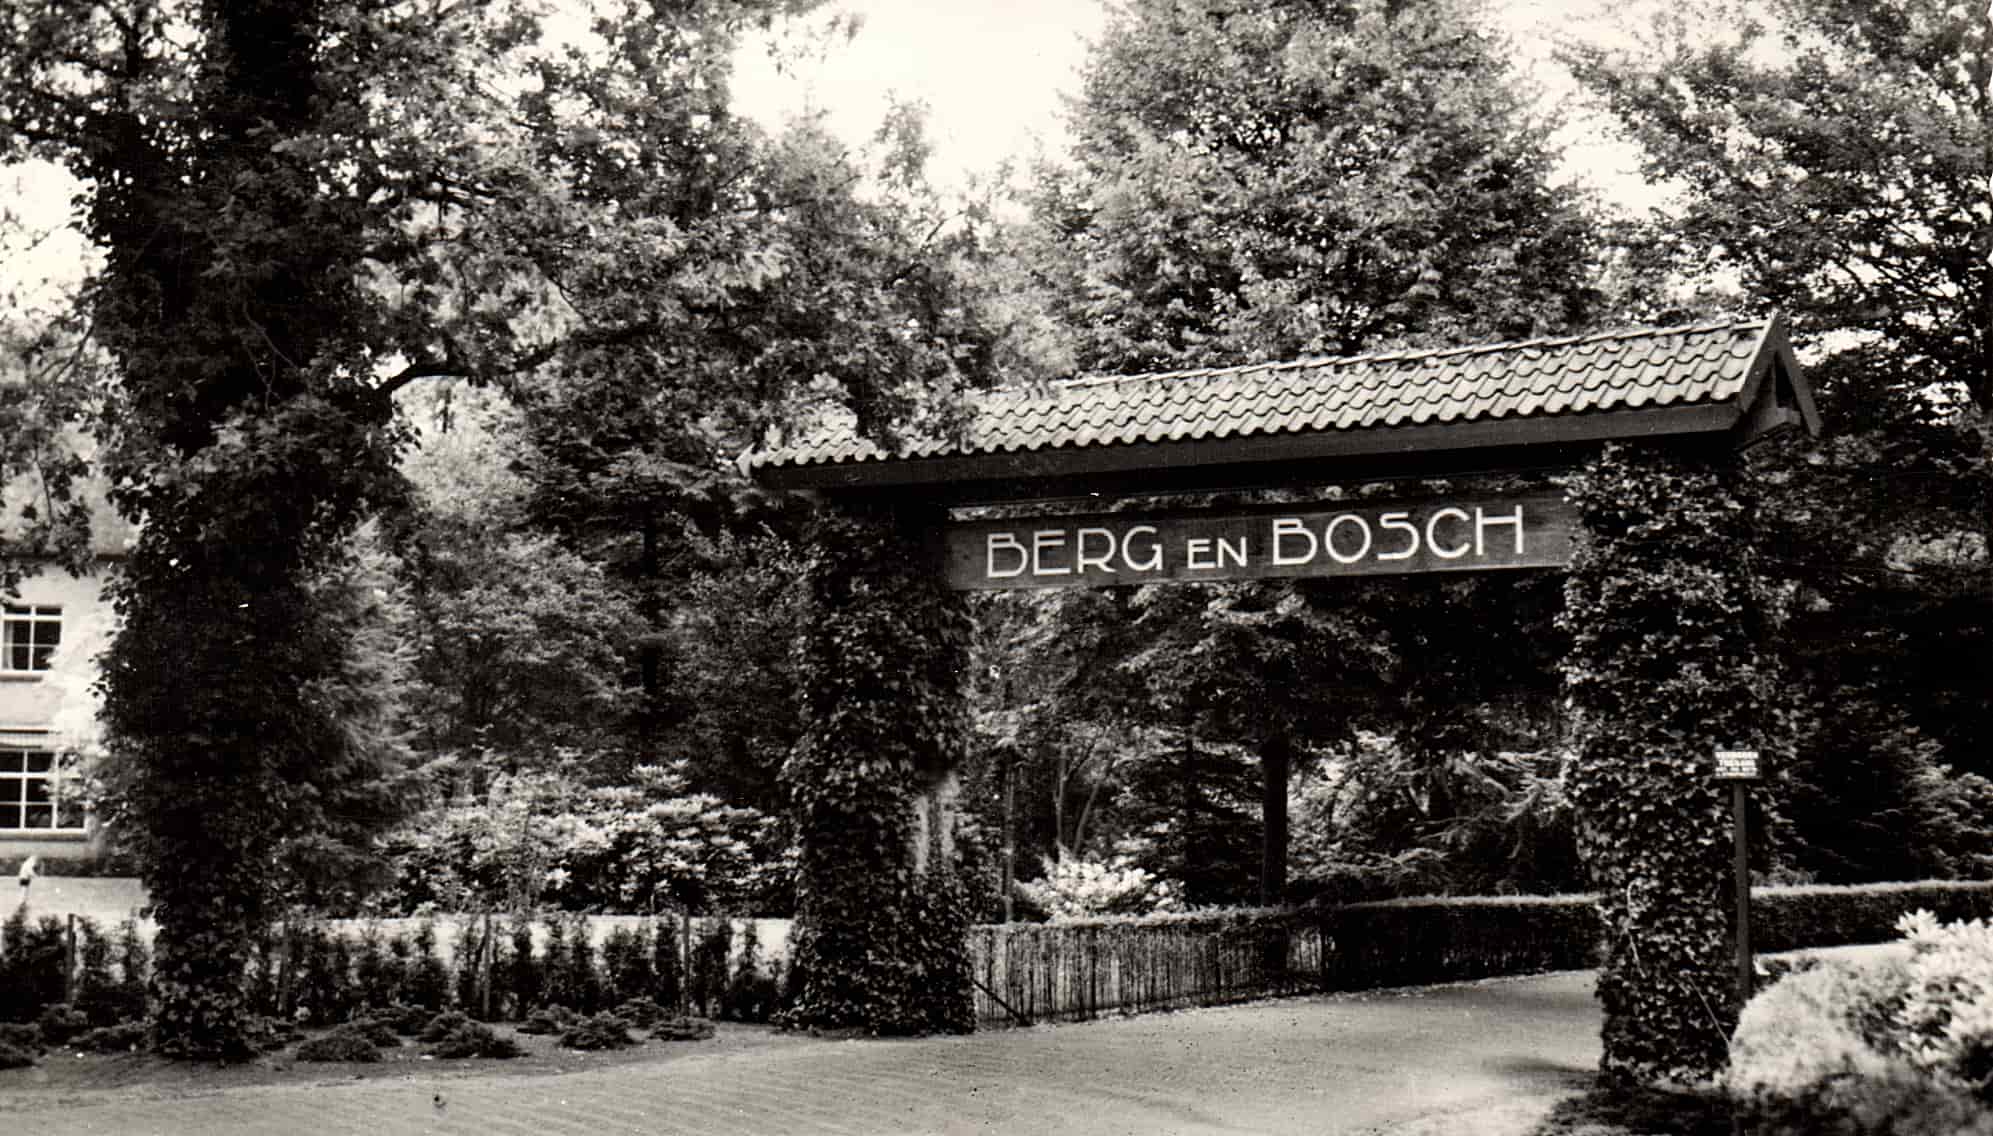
x=1477 y=1059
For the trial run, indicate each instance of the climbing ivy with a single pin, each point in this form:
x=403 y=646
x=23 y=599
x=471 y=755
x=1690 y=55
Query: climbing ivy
x=1668 y=662
x=878 y=947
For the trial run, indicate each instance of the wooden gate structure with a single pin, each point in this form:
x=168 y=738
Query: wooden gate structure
x=1710 y=390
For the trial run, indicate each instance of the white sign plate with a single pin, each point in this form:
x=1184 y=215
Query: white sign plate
x=1737 y=765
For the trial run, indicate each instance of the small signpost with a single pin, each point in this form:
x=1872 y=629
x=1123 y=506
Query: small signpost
x=1739 y=767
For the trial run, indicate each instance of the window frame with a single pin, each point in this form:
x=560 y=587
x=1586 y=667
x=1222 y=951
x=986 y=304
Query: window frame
x=34 y=618
x=62 y=777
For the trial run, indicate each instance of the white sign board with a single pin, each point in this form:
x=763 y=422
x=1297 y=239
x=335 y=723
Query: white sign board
x=1737 y=765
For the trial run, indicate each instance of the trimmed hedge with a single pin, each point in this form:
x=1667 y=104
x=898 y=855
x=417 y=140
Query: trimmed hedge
x=1406 y=942
x=1129 y=964
x=1791 y=918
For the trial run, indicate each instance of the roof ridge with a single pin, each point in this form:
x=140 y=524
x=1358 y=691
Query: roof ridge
x=1396 y=355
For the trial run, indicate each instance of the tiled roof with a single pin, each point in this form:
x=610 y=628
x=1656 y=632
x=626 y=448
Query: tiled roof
x=1542 y=378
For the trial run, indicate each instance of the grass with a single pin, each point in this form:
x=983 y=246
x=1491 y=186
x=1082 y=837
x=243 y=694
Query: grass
x=1640 y=1112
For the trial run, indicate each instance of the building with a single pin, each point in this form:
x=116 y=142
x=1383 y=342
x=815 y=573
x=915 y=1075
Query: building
x=51 y=631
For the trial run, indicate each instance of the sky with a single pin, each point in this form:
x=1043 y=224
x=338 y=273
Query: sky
x=990 y=72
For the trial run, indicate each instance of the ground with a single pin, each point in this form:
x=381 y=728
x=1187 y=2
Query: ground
x=65 y=1077
x=1472 y=1059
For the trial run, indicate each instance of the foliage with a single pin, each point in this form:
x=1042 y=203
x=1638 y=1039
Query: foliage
x=1270 y=179
x=602 y=1031
x=1829 y=158
x=15 y=1057
x=541 y=836
x=123 y=1037
x=1669 y=660
x=32 y=954
x=1898 y=1045
x=1076 y=888
x=474 y=1039
x=1382 y=821
x=339 y=1046
x=877 y=946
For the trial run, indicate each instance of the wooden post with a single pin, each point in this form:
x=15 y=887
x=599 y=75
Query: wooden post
x=69 y=963
x=1740 y=802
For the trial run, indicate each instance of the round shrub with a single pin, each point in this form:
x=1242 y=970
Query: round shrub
x=22 y=1035
x=682 y=1029
x=603 y=1031
x=337 y=1046
x=1896 y=1046
x=124 y=1037
x=474 y=1039
x=15 y=1057
x=547 y=1020
x=60 y=1022
x=374 y=1031
x=444 y=1024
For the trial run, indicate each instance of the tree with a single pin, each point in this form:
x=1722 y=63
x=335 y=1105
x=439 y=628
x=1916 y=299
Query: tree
x=1833 y=156
x=1273 y=178
x=304 y=209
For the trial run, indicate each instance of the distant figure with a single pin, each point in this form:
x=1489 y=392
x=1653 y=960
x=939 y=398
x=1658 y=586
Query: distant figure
x=28 y=867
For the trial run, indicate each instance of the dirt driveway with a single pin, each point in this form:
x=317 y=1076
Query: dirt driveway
x=1483 y=1059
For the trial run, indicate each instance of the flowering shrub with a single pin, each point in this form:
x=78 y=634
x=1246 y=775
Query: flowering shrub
x=1947 y=1014
x=1898 y=1047
x=1075 y=888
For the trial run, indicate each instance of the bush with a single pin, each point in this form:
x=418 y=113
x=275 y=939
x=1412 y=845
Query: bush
x=337 y=1046
x=753 y=992
x=123 y=1037
x=378 y=1033
x=428 y=978
x=60 y=1022
x=682 y=1029
x=14 y=1057
x=640 y=1012
x=547 y=1020
x=444 y=1024
x=1898 y=1046
x=22 y=1035
x=603 y=1031
x=32 y=959
x=474 y=1039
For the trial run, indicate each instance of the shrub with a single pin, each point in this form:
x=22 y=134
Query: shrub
x=547 y=1020
x=682 y=1029
x=32 y=958
x=14 y=1057
x=444 y=1024
x=1891 y=1047
x=22 y=1035
x=337 y=1046
x=711 y=948
x=603 y=1031
x=640 y=1012
x=522 y=970
x=378 y=1033
x=666 y=965
x=1077 y=888
x=628 y=965
x=753 y=992
x=376 y=970
x=428 y=979
x=474 y=1039
x=60 y=1022
x=123 y=1037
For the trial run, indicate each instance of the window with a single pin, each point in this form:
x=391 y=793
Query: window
x=28 y=636
x=39 y=792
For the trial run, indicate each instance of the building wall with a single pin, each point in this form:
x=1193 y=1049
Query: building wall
x=54 y=711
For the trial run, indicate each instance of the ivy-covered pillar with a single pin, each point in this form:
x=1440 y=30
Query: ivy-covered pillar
x=1669 y=661
x=881 y=937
